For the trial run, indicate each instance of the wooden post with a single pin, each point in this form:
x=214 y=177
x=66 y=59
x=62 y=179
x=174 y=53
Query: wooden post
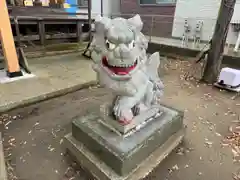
x=79 y=31
x=12 y=2
x=41 y=31
x=90 y=18
x=217 y=45
x=6 y=36
x=17 y=32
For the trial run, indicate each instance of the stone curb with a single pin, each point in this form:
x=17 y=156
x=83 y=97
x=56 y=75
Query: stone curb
x=3 y=172
x=46 y=96
x=51 y=53
x=176 y=52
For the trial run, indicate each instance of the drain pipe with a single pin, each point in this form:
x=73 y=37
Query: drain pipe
x=237 y=43
x=102 y=8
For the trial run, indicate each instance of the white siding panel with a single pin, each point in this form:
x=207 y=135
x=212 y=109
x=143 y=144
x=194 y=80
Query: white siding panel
x=233 y=35
x=205 y=10
x=193 y=11
x=236 y=15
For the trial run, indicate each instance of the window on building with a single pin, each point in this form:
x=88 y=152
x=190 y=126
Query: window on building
x=82 y=2
x=157 y=1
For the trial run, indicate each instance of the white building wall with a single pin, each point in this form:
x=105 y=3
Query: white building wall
x=204 y=10
x=96 y=6
x=193 y=11
x=109 y=7
x=233 y=35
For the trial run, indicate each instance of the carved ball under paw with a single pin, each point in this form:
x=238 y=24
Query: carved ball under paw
x=124 y=116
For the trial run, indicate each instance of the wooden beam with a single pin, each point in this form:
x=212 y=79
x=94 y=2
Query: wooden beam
x=6 y=36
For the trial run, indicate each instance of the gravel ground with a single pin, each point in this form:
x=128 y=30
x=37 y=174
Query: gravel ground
x=33 y=135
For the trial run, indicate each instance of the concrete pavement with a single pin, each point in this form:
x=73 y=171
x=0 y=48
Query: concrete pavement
x=55 y=75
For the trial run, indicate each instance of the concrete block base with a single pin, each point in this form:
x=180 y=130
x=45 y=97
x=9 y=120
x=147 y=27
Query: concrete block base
x=110 y=155
x=5 y=79
x=87 y=160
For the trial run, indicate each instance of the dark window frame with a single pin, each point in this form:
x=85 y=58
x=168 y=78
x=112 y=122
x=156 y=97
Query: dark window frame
x=81 y=3
x=158 y=4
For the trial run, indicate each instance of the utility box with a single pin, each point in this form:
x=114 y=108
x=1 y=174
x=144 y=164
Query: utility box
x=229 y=77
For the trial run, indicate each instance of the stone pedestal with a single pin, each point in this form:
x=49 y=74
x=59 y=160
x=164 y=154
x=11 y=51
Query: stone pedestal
x=110 y=154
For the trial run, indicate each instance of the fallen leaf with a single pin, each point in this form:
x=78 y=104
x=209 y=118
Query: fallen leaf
x=175 y=167
x=236 y=151
x=9 y=122
x=52 y=149
x=36 y=124
x=12 y=139
x=209 y=143
x=69 y=172
x=61 y=141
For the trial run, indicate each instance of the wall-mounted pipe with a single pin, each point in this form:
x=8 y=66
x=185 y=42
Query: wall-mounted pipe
x=90 y=17
x=101 y=7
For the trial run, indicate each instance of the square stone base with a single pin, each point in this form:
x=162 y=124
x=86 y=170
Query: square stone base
x=124 y=153
x=116 y=156
x=90 y=162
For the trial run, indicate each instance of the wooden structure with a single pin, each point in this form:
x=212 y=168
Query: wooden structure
x=38 y=24
x=7 y=41
x=42 y=17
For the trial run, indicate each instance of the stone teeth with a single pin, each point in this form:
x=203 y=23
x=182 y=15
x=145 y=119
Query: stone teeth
x=122 y=65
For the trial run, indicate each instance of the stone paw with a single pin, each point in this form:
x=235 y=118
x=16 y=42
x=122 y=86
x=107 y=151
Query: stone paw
x=124 y=121
x=124 y=116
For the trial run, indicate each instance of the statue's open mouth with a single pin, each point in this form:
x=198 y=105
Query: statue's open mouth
x=118 y=70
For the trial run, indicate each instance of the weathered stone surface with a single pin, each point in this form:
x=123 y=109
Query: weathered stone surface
x=122 y=65
x=123 y=154
x=138 y=120
x=90 y=162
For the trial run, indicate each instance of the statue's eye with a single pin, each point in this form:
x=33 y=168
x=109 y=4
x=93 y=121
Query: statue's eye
x=131 y=45
x=110 y=45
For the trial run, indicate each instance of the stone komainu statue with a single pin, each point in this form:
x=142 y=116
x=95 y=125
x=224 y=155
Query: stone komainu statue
x=119 y=53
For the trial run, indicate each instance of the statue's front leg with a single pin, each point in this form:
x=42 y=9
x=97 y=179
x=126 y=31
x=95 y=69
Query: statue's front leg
x=124 y=105
x=149 y=95
x=122 y=109
x=153 y=93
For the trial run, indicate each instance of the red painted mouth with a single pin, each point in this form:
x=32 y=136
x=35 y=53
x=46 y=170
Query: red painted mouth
x=118 y=70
